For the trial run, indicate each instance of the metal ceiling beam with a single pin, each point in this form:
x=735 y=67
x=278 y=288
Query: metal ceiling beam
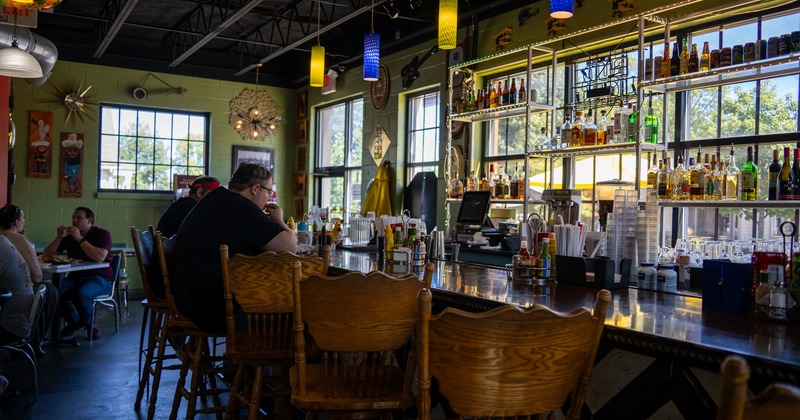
x=309 y=37
x=216 y=31
x=122 y=16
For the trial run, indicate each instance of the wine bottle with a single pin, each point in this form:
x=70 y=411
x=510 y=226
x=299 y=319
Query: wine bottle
x=749 y=177
x=773 y=170
x=796 y=175
x=785 y=178
x=675 y=61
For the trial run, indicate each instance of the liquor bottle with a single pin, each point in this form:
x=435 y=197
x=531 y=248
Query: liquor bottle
x=710 y=184
x=490 y=183
x=492 y=98
x=680 y=181
x=730 y=188
x=633 y=123
x=577 y=138
x=652 y=174
x=522 y=185
x=651 y=127
x=555 y=142
x=693 y=60
x=589 y=131
x=688 y=178
x=705 y=58
x=786 y=179
x=542 y=142
x=543 y=262
x=664 y=181
x=566 y=130
x=500 y=100
x=749 y=177
x=696 y=181
x=483 y=184
x=602 y=128
x=620 y=123
x=675 y=61
x=487 y=97
x=796 y=174
x=708 y=181
x=513 y=184
x=472 y=182
x=505 y=179
x=481 y=99
x=512 y=94
x=521 y=93
x=505 y=93
x=665 y=62
x=684 y=58
x=773 y=170
x=456 y=189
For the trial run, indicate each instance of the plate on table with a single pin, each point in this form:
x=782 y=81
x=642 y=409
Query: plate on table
x=59 y=260
x=44 y=264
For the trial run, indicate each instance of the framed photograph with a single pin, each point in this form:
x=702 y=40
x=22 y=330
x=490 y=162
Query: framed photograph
x=300 y=132
x=300 y=184
x=249 y=154
x=302 y=104
x=40 y=149
x=299 y=208
x=301 y=159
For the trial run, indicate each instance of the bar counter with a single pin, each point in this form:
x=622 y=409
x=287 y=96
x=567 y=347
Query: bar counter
x=661 y=325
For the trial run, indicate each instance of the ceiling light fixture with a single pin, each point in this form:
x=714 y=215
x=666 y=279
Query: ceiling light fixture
x=448 y=23
x=390 y=9
x=415 y=4
x=31 y=4
x=317 y=78
x=14 y=62
x=253 y=114
x=561 y=9
x=372 y=50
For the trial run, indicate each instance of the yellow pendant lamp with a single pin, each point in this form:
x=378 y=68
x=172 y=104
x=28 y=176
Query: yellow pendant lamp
x=30 y=4
x=448 y=23
x=317 y=77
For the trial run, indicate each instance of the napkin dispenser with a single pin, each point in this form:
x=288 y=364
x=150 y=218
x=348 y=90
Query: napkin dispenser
x=598 y=273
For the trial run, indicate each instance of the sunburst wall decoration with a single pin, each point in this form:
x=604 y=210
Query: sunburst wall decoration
x=253 y=114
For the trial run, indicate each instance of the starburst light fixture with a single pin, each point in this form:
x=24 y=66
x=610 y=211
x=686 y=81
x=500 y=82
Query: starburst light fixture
x=254 y=114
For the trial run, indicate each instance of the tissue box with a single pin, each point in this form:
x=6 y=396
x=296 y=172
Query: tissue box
x=726 y=285
x=598 y=273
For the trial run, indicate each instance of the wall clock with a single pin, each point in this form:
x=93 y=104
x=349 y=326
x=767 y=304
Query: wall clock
x=379 y=89
x=74 y=99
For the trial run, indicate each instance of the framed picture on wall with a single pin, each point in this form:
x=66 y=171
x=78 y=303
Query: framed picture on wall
x=300 y=132
x=300 y=184
x=301 y=159
x=302 y=104
x=250 y=154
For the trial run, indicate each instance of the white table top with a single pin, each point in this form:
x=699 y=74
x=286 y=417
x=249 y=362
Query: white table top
x=75 y=266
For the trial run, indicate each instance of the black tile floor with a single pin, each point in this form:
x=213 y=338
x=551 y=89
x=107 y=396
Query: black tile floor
x=96 y=380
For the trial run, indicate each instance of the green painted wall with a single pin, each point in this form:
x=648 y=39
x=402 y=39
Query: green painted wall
x=117 y=212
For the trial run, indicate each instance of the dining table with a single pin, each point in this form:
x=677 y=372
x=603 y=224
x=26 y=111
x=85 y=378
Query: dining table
x=56 y=270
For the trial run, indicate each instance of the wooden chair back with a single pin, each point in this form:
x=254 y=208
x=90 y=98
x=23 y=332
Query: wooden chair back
x=143 y=244
x=508 y=361
x=777 y=401
x=165 y=248
x=261 y=286
x=361 y=324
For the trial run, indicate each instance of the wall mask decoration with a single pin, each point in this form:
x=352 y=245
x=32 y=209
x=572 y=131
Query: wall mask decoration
x=40 y=147
x=554 y=26
x=618 y=7
x=72 y=165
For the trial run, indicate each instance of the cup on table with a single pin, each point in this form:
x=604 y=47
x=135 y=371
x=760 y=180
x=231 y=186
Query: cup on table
x=454 y=248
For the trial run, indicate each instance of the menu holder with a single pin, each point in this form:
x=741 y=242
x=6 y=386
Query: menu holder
x=598 y=273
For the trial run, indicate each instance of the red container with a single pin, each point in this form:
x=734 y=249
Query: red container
x=767 y=262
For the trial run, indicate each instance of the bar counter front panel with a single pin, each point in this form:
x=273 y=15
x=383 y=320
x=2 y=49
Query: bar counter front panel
x=658 y=324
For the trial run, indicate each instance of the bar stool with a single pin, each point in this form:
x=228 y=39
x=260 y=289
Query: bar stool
x=196 y=354
x=777 y=401
x=267 y=339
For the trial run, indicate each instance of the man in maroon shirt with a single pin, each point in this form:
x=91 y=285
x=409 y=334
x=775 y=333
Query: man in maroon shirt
x=83 y=241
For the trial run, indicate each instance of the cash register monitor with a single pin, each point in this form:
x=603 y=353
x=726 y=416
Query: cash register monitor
x=475 y=209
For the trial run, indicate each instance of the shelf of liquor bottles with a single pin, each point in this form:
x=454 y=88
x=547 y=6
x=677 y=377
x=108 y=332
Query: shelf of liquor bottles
x=599 y=149
x=747 y=204
x=505 y=111
x=498 y=201
x=737 y=73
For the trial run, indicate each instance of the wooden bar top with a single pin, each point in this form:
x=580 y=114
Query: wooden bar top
x=644 y=320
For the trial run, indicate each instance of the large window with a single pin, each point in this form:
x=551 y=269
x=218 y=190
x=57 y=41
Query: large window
x=423 y=134
x=339 y=151
x=142 y=148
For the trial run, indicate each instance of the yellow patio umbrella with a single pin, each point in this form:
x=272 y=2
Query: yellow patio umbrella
x=378 y=198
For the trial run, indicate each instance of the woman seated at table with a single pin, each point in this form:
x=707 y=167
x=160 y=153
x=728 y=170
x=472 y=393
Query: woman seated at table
x=12 y=226
x=14 y=278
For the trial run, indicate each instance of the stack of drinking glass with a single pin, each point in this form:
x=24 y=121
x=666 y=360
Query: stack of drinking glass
x=647 y=229
x=621 y=227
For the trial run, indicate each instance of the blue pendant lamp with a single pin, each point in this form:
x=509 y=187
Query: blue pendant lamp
x=317 y=76
x=372 y=51
x=448 y=23
x=561 y=9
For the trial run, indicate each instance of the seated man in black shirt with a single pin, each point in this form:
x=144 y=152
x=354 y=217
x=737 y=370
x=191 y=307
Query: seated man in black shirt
x=173 y=217
x=242 y=218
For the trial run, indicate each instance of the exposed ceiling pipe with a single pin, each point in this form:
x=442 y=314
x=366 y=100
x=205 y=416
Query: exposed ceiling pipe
x=44 y=51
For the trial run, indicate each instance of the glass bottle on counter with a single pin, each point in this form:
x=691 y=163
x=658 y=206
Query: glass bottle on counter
x=620 y=123
x=543 y=262
x=773 y=170
x=796 y=175
x=499 y=185
x=492 y=98
x=675 y=61
x=694 y=60
x=786 y=179
x=522 y=185
x=512 y=93
x=705 y=58
x=696 y=181
x=577 y=135
x=521 y=93
x=665 y=61
x=505 y=93
x=526 y=264
x=664 y=181
x=513 y=184
x=566 y=130
x=398 y=237
x=651 y=127
x=542 y=142
x=602 y=128
x=633 y=123
x=732 y=174
x=652 y=174
x=472 y=182
x=680 y=181
x=589 y=131
x=500 y=100
x=749 y=177
x=456 y=189
x=684 y=58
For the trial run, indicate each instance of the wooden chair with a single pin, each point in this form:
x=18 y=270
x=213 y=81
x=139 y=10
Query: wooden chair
x=361 y=324
x=195 y=355
x=508 y=362
x=777 y=401
x=261 y=285
x=155 y=321
x=23 y=345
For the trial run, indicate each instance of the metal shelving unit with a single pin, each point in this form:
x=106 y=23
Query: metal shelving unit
x=600 y=149
x=721 y=204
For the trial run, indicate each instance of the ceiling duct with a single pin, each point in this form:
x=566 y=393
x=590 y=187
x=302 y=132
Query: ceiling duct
x=39 y=47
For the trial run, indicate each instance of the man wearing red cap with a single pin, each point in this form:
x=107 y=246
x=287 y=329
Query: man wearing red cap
x=173 y=217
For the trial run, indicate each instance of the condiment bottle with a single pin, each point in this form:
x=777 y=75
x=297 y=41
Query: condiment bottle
x=544 y=259
x=388 y=242
x=290 y=223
